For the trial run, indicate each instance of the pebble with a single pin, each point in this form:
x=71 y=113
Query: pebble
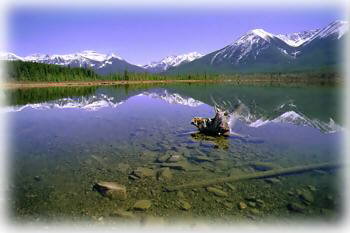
x=312 y=188
x=251 y=204
x=184 y=205
x=242 y=205
x=123 y=167
x=306 y=197
x=180 y=195
x=112 y=190
x=260 y=203
x=230 y=186
x=263 y=166
x=182 y=165
x=142 y=205
x=202 y=158
x=143 y=172
x=228 y=205
x=290 y=193
x=254 y=211
x=131 y=176
x=164 y=174
x=296 y=207
x=217 y=192
x=174 y=158
x=272 y=180
x=162 y=158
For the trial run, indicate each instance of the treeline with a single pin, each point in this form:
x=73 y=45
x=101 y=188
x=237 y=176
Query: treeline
x=37 y=95
x=39 y=72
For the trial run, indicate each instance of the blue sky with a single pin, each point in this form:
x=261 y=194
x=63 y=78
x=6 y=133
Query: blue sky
x=144 y=35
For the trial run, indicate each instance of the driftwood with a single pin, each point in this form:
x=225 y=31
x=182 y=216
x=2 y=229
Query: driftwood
x=219 y=125
x=256 y=175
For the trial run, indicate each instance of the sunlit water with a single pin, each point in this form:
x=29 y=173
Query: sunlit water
x=64 y=140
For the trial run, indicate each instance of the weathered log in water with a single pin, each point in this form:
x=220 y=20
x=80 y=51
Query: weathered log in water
x=256 y=175
x=219 y=125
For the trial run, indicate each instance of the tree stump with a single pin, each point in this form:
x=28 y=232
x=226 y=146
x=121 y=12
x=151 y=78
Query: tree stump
x=217 y=126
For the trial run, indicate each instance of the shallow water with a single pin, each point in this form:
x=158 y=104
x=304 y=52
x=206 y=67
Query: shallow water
x=64 y=140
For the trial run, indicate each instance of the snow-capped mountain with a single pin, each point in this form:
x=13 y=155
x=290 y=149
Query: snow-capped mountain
x=335 y=30
x=171 y=61
x=255 y=51
x=87 y=57
x=261 y=51
x=101 y=63
x=298 y=38
x=250 y=46
x=9 y=57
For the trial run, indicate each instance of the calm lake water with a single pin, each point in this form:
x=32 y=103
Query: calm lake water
x=64 y=140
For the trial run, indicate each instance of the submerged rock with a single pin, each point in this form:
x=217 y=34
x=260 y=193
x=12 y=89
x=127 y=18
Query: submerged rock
x=162 y=158
x=272 y=180
x=217 y=192
x=228 y=205
x=312 y=188
x=296 y=207
x=230 y=186
x=164 y=174
x=251 y=204
x=131 y=176
x=260 y=203
x=254 y=211
x=142 y=172
x=184 y=205
x=250 y=198
x=242 y=205
x=123 y=167
x=180 y=194
x=182 y=165
x=112 y=190
x=174 y=158
x=306 y=197
x=263 y=166
x=202 y=158
x=142 y=205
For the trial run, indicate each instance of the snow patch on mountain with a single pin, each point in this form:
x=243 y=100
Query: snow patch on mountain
x=297 y=38
x=173 y=98
x=335 y=30
x=172 y=61
x=254 y=41
x=5 y=56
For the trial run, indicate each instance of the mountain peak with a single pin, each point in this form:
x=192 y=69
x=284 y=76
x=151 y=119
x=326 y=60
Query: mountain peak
x=296 y=39
x=262 y=33
x=7 y=56
x=172 y=61
x=337 y=27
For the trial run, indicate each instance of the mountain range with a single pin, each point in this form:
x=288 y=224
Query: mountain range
x=261 y=51
x=255 y=51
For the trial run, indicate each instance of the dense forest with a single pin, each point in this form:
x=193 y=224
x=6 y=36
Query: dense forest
x=19 y=71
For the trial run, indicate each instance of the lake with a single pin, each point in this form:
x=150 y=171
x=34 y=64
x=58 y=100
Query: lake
x=64 y=140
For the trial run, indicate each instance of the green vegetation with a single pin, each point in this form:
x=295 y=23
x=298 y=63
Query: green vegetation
x=38 y=72
x=37 y=95
x=19 y=71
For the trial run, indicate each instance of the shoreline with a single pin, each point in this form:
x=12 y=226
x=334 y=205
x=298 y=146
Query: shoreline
x=288 y=82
